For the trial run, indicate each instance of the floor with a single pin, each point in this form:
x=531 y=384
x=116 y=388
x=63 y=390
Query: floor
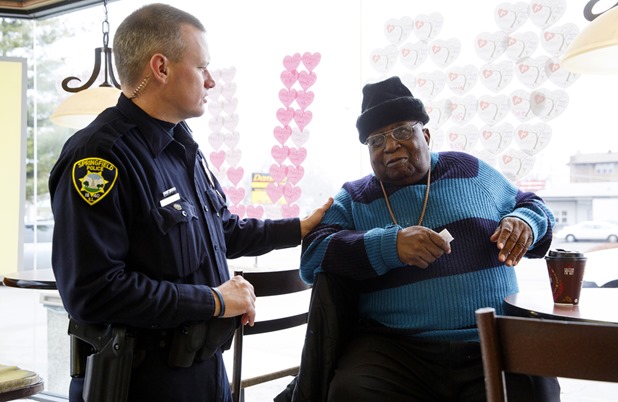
x=34 y=337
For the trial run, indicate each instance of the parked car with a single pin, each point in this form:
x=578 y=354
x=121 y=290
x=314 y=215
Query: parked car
x=589 y=230
x=38 y=254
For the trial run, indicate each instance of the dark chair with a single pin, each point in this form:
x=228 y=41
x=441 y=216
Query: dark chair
x=16 y=383
x=547 y=348
x=267 y=283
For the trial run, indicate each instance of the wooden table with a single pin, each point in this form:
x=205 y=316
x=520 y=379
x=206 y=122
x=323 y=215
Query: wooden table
x=595 y=305
x=36 y=279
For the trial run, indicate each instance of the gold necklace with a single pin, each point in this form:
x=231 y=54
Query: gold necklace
x=388 y=204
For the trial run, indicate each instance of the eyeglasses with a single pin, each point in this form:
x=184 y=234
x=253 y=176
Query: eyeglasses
x=401 y=133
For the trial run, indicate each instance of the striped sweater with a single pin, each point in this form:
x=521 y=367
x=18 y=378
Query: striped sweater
x=357 y=239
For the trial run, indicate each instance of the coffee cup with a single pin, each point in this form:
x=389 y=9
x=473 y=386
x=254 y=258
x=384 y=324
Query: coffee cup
x=566 y=274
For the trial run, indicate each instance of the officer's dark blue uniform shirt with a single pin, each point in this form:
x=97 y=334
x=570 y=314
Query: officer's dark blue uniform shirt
x=141 y=231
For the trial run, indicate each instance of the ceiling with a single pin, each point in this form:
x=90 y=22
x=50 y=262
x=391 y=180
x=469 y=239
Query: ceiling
x=38 y=9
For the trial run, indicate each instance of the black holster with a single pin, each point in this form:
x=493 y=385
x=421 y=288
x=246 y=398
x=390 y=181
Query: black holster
x=103 y=355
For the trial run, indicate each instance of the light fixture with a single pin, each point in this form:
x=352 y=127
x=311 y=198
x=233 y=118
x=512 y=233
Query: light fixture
x=79 y=109
x=595 y=48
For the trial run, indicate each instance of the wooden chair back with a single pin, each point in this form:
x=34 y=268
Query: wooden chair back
x=267 y=283
x=548 y=348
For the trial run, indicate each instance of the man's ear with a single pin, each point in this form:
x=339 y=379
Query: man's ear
x=158 y=66
x=427 y=135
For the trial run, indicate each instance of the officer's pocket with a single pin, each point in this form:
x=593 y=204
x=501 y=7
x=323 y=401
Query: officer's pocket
x=178 y=224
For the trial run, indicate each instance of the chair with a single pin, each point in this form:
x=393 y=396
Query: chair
x=16 y=383
x=267 y=283
x=548 y=348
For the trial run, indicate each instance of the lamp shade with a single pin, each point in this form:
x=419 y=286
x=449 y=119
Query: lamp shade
x=79 y=109
x=595 y=48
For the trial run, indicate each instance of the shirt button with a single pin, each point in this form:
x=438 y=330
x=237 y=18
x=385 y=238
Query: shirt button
x=184 y=213
x=218 y=214
x=205 y=208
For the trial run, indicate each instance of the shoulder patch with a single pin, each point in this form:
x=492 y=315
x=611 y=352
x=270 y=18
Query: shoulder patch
x=93 y=178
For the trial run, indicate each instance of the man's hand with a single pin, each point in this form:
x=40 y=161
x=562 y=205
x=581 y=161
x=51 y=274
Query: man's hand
x=309 y=222
x=420 y=246
x=239 y=299
x=513 y=238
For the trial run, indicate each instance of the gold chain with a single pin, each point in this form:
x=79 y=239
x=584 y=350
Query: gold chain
x=390 y=210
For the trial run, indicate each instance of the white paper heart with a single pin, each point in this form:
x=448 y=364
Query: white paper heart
x=544 y=13
x=430 y=84
x=490 y=45
x=548 y=105
x=413 y=55
x=511 y=16
x=444 y=52
x=461 y=79
x=299 y=138
x=556 y=40
x=521 y=107
x=383 y=60
x=497 y=76
x=437 y=138
x=228 y=74
x=215 y=139
x=230 y=122
x=496 y=139
x=559 y=75
x=486 y=156
x=532 y=138
x=228 y=91
x=462 y=138
x=229 y=106
x=515 y=164
x=439 y=112
x=427 y=27
x=531 y=71
x=214 y=93
x=214 y=108
x=233 y=157
x=463 y=109
x=521 y=44
x=398 y=30
x=231 y=139
x=216 y=123
x=409 y=81
x=492 y=109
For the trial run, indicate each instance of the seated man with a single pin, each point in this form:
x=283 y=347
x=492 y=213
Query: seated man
x=416 y=338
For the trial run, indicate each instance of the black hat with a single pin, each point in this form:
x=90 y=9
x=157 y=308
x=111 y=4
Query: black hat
x=387 y=102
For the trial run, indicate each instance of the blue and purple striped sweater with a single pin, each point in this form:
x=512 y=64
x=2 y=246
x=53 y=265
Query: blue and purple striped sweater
x=357 y=239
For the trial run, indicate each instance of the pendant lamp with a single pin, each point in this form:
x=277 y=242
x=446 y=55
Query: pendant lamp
x=595 y=49
x=79 y=109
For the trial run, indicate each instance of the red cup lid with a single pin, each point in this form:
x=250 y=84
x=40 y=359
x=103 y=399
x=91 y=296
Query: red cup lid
x=560 y=253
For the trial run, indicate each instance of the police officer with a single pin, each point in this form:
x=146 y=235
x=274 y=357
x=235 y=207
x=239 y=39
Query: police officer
x=142 y=232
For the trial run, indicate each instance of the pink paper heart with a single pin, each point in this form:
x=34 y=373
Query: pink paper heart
x=285 y=116
x=306 y=79
x=278 y=172
x=239 y=210
x=217 y=158
x=287 y=96
x=302 y=118
x=311 y=60
x=279 y=154
x=282 y=134
x=235 y=174
x=274 y=191
x=255 y=212
x=290 y=211
x=297 y=156
x=291 y=192
x=295 y=174
x=236 y=195
x=291 y=62
x=289 y=78
x=304 y=99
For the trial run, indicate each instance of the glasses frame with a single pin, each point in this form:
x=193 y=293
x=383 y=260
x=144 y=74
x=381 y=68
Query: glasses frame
x=389 y=133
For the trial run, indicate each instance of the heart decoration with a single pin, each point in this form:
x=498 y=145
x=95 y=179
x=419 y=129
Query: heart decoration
x=295 y=173
x=255 y=212
x=555 y=40
x=437 y=138
x=515 y=164
x=398 y=30
x=439 y=112
x=215 y=108
x=427 y=27
x=490 y=45
x=299 y=138
x=274 y=192
x=412 y=55
x=304 y=99
x=288 y=78
x=497 y=76
x=461 y=79
x=521 y=107
x=430 y=84
x=521 y=44
x=287 y=96
x=217 y=159
x=311 y=60
x=228 y=74
x=558 y=75
x=306 y=79
x=511 y=16
x=463 y=138
x=409 y=81
x=230 y=122
x=297 y=155
x=233 y=156
x=216 y=123
x=229 y=106
x=463 y=109
x=547 y=105
x=532 y=138
x=383 y=60
x=231 y=140
x=228 y=91
x=291 y=193
x=291 y=62
x=215 y=139
x=280 y=153
x=282 y=134
x=444 y=52
x=302 y=118
x=531 y=71
x=290 y=211
x=486 y=156
x=278 y=172
x=236 y=195
x=544 y=13
x=285 y=116
x=492 y=109
x=239 y=210
x=496 y=139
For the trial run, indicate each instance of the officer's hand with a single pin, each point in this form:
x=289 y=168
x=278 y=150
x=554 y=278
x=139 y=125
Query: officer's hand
x=420 y=246
x=239 y=299
x=309 y=222
x=513 y=238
